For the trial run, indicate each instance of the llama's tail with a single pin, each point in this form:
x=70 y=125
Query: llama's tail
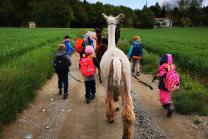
x=117 y=69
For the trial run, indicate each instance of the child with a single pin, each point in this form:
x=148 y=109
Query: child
x=166 y=65
x=62 y=64
x=80 y=44
x=88 y=70
x=67 y=43
x=135 y=53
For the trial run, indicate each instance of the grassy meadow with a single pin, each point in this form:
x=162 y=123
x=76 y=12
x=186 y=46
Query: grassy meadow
x=26 y=62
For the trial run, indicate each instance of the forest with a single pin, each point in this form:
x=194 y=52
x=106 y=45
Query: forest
x=82 y=14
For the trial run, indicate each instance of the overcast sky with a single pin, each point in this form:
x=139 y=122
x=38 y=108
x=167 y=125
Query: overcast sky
x=136 y=4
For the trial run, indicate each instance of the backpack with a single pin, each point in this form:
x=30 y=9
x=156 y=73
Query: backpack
x=78 y=45
x=137 y=51
x=172 y=79
x=61 y=64
x=87 y=67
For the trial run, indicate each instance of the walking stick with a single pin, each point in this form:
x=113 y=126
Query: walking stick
x=146 y=84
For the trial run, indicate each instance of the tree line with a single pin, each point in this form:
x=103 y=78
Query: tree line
x=76 y=13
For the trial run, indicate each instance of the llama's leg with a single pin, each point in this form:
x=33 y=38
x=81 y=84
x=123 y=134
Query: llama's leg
x=99 y=76
x=110 y=107
x=128 y=116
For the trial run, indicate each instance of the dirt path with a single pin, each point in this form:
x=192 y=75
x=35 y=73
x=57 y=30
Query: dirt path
x=50 y=117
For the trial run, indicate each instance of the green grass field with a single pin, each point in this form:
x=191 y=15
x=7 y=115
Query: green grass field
x=189 y=47
x=26 y=61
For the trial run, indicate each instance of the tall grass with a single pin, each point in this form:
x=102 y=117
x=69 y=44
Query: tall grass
x=25 y=72
x=20 y=80
x=188 y=46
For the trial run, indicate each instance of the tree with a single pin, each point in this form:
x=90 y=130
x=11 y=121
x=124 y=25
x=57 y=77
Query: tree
x=147 y=19
x=163 y=12
x=156 y=10
x=58 y=14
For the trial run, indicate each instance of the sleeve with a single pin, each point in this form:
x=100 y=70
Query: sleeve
x=130 y=51
x=96 y=63
x=72 y=48
x=162 y=71
x=67 y=48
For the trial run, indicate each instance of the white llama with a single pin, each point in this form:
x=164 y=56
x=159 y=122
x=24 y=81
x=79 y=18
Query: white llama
x=116 y=76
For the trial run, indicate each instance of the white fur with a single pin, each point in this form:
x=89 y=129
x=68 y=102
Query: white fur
x=117 y=65
x=116 y=76
x=114 y=53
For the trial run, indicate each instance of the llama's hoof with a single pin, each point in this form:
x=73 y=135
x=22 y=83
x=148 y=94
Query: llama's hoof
x=88 y=101
x=117 y=108
x=111 y=121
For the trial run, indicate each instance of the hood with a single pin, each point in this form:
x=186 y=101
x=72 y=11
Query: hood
x=135 y=42
x=167 y=58
x=170 y=59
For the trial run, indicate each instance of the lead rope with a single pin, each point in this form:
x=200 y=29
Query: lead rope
x=75 y=78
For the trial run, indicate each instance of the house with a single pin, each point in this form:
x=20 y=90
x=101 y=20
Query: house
x=32 y=24
x=164 y=22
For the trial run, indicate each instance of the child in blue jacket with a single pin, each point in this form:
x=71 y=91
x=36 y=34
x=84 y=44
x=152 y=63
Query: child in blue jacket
x=67 y=43
x=135 y=53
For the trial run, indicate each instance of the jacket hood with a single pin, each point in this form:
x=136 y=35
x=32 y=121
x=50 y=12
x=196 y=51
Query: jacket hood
x=135 y=42
x=167 y=58
x=170 y=59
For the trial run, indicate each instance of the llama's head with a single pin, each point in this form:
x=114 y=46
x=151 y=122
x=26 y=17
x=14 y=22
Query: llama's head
x=113 y=20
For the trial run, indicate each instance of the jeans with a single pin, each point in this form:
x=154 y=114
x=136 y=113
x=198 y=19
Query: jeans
x=63 y=81
x=90 y=89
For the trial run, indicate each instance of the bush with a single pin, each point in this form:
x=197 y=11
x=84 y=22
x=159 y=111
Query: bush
x=149 y=63
x=191 y=97
x=124 y=45
x=187 y=102
x=186 y=22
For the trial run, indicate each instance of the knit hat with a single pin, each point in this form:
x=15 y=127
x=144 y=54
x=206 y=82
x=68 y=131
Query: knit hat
x=137 y=38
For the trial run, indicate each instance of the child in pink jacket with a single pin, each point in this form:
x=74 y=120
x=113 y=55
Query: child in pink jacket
x=166 y=64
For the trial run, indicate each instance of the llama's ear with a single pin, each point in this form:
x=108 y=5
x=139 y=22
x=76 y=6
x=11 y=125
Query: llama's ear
x=105 y=16
x=120 y=16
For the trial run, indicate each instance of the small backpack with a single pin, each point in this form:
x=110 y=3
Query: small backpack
x=61 y=64
x=78 y=45
x=137 y=51
x=172 y=79
x=87 y=67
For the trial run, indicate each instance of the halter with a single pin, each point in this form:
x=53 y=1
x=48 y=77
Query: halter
x=112 y=24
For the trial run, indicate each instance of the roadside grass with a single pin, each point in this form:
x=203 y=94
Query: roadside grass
x=21 y=79
x=188 y=46
x=22 y=75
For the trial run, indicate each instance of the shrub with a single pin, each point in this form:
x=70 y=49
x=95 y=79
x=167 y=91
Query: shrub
x=149 y=63
x=190 y=101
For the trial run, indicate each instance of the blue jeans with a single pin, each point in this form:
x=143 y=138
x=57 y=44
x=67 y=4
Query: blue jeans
x=63 y=80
